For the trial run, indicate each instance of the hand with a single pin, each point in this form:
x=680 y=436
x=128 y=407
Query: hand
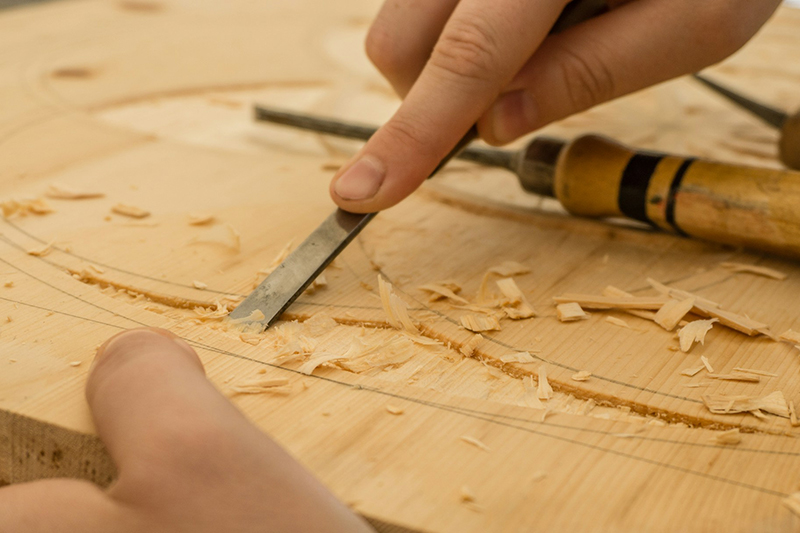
x=188 y=460
x=458 y=62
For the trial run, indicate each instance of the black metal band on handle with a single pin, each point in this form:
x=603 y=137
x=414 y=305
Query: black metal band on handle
x=674 y=187
x=632 y=199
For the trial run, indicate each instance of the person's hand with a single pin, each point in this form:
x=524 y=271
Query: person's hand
x=188 y=460
x=458 y=62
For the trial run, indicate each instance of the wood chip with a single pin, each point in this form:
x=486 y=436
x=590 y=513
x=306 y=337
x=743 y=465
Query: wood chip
x=518 y=306
x=774 y=403
x=737 y=376
x=41 y=251
x=544 y=391
x=732 y=437
x=793 y=415
x=21 y=208
x=475 y=442
x=570 y=312
x=706 y=363
x=591 y=301
x=694 y=332
x=395 y=308
x=480 y=323
x=199 y=285
x=506 y=269
x=76 y=363
x=466 y=494
x=440 y=292
x=754 y=269
x=582 y=375
x=793 y=503
x=263 y=385
x=691 y=372
x=672 y=312
x=250 y=338
x=617 y=322
x=130 y=211
x=64 y=193
x=391 y=409
x=8 y=284
x=519 y=357
x=256 y=316
x=790 y=336
x=754 y=371
x=316 y=361
x=469 y=347
x=201 y=220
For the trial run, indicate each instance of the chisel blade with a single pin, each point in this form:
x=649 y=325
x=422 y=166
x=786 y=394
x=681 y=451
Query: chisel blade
x=296 y=272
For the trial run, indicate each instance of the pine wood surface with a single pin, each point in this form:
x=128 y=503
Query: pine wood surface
x=148 y=103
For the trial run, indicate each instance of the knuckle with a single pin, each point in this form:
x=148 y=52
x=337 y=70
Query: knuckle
x=723 y=27
x=407 y=134
x=588 y=80
x=382 y=50
x=466 y=49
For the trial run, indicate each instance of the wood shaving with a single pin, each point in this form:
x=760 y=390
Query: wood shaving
x=130 y=211
x=754 y=371
x=672 y=312
x=732 y=437
x=395 y=308
x=21 y=208
x=475 y=442
x=570 y=312
x=466 y=494
x=251 y=338
x=707 y=308
x=517 y=307
x=469 y=347
x=8 y=284
x=200 y=220
x=721 y=404
x=691 y=372
x=694 y=332
x=439 y=292
x=42 y=251
x=64 y=193
x=793 y=503
x=544 y=391
x=706 y=364
x=793 y=415
x=317 y=360
x=519 y=357
x=582 y=375
x=617 y=322
x=737 y=376
x=479 y=323
x=199 y=285
x=263 y=385
x=754 y=269
x=76 y=363
x=506 y=269
x=391 y=409
x=790 y=336
x=591 y=301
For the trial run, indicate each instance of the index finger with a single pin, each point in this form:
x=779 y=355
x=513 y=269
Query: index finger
x=483 y=45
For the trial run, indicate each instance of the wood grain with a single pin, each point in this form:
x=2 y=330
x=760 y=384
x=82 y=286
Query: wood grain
x=151 y=108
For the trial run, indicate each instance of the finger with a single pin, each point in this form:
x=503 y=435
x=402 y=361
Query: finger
x=56 y=506
x=186 y=455
x=483 y=45
x=402 y=36
x=637 y=45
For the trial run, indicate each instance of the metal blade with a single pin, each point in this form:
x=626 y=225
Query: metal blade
x=770 y=115
x=295 y=274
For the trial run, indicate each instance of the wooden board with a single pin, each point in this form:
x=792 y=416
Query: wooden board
x=148 y=103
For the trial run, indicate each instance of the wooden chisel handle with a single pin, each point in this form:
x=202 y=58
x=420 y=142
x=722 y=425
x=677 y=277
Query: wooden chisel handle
x=732 y=204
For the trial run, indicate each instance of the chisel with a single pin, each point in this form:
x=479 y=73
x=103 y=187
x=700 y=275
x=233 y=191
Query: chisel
x=591 y=176
x=788 y=125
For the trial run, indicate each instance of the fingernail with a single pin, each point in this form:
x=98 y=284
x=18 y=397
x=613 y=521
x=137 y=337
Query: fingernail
x=513 y=115
x=362 y=180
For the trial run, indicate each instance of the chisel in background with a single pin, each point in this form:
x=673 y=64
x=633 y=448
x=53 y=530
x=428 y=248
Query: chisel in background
x=788 y=125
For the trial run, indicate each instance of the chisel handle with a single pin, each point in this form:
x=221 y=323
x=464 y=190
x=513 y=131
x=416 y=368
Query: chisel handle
x=732 y=204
